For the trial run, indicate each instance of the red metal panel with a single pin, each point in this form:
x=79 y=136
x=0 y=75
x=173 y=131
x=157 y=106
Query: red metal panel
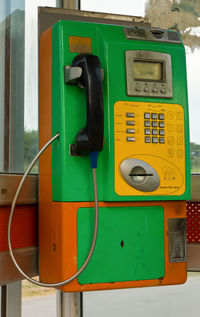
x=24 y=231
x=193 y=222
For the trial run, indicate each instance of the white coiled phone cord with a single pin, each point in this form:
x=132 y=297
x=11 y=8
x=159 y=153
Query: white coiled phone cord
x=11 y=216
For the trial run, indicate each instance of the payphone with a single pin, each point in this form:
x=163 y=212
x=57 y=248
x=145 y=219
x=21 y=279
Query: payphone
x=120 y=93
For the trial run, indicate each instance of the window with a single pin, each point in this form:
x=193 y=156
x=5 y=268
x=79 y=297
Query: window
x=11 y=85
x=19 y=83
x=184 y=17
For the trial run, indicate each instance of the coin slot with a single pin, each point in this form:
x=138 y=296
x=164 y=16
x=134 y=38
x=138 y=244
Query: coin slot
x=138 y=174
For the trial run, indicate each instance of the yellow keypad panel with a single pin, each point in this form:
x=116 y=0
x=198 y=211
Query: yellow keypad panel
x=152 y=133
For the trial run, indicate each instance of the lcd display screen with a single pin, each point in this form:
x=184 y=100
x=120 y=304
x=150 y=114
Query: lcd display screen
x=147 y=70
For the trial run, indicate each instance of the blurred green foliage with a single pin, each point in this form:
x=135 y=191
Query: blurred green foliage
x=195 y=157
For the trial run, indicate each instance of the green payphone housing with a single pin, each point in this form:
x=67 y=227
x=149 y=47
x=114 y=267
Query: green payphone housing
x=123 y=90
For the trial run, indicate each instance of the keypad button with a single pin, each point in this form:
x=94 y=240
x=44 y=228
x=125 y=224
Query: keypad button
x=180 y=153
x=154 y=116
x=147 y=131
x=147 y=139
x=130 y=122
x=170 y=140
x=161 y=132
x=163 y=90
x=161 y=116
x=179 y=128
x=170 y=127
x=154 y=124
x=154 y=132
x=161 y=124
x=170 y=115
x=147 y=115
x=161 y=140
x=179 y=115
x=130 y=115
x=132 y=131
x=147 y=124
x=170 y=153
x=146 y=89
x=180 y=141
x=154 y=90
x=130 y=139
x=154 y=139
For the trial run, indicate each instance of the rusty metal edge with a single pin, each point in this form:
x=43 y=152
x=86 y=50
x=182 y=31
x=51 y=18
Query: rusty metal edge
x=193 y=257
x=27 y=259
x=49 y=16
x=8 y=186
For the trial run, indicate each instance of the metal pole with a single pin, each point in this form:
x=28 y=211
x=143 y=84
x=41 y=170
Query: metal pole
x=69 y=304
x=11 y=300
x=71 y=4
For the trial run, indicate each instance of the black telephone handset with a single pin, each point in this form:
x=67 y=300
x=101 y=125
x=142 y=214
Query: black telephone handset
x=91 y=137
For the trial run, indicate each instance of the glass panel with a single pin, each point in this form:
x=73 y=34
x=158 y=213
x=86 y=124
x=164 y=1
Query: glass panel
x=173 y=301
x=128 y=7
x=31 y=78
x=19 y=82
x=2 y=82
x=38 y=301
x=180 y=300
x=184 y=17
x=11 y=85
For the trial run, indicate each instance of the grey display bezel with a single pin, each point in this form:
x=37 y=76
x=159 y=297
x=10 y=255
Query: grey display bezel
x=156 y=89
